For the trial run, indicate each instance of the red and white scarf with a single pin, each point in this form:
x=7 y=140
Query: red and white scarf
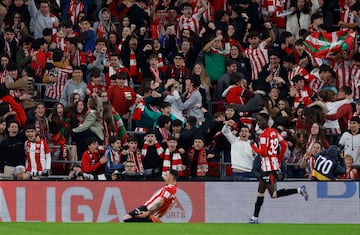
x=120 y=44
x=74 y=58
x=156 y=74
x=139 y=109
x=102 y=30
x=190 y=23
x=60 y=42
x=175 y=162
x=165 y=133
x=74 y=10
x=158 y=147
x=54 y=20
x=160 y=64
x=133 y=64
x=135 y=156
x=114 y=156
x=42 y=127
x=202 y=164
x=188 y=93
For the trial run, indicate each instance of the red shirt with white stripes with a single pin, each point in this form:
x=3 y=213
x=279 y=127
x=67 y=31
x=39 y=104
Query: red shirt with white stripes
x=347 y=15
x=303 y=96
x=258 y=58
x=77 y=58
x=38 y=156
x=54 y=89
x=298 y=70
x=191 y=23
x=343 y=72
x=95 y=88
x=269 y=142
x=208 y=15
x=168 y=194
x=314 y=81
x=355 y=81
x=277 y=7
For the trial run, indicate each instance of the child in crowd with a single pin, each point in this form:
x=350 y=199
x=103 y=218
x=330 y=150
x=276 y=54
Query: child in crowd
x=94 y=85
x=114 y=157
x=38 y=156
x=351 y=172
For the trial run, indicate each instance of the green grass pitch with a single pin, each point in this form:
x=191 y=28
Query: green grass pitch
x=175 y=229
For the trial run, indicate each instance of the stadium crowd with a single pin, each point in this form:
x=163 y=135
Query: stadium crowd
x=128 y=89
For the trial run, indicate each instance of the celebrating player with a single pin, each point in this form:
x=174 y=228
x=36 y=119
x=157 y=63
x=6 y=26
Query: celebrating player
x=269 y=165
x=158 y=204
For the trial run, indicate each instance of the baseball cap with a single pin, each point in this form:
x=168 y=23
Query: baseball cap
x=179 y=54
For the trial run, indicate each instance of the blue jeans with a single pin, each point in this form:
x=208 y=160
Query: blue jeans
x=238 y=176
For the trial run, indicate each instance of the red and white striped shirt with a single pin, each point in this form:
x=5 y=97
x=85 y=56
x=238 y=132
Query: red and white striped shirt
x=13 y=92
x=54 y=89
x=343 y=73
x=303 y=96
x=314 y=81
x=38 y=156
x=258 y=58
x=347 y=15
x=269 y=142
x=101 y=30
x=55 y=22
x=298 y=70
x=208 y=15
x=74 y=10
x=191 y=23
x=77 y=58
x=168 y=194
x=276 y=7
x=355 y=81
x=60 y=40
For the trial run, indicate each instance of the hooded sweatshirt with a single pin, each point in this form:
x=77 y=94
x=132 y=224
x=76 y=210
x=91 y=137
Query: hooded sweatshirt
x=101 y=28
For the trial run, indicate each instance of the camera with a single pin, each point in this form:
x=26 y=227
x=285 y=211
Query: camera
x=78 y=174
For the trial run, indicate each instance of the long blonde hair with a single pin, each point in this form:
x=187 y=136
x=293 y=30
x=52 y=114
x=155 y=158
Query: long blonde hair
x=204 y=78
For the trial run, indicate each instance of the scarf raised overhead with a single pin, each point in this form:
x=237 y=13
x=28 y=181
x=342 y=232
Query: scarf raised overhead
x=174 y=162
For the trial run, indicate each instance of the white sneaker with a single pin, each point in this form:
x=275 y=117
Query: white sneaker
x=304 y=193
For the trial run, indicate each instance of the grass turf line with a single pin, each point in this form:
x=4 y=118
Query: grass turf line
x=29 y=228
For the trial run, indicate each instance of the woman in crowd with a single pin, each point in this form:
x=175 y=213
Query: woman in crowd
x=316 y=135
x=41 y=121
x=91 y=126
x=59 y=129
x=19 y=26
x=205 y=84
x=113 y=124
x=242 y=63
x=297 y=153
